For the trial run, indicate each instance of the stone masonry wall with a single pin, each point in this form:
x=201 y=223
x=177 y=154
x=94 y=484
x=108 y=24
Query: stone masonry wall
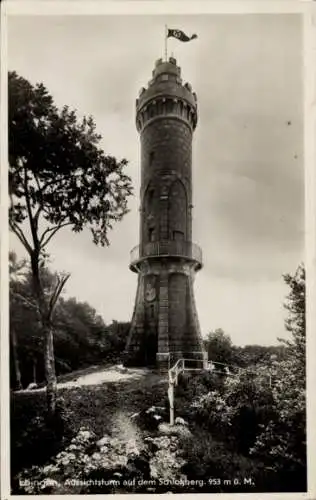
x=166 y=157
x=165 y=322
x=166 y=145
x=177 y=311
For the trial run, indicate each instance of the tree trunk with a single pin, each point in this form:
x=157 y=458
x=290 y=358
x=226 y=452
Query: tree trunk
x=50 y=373
x=49 y=358
x=16 y=362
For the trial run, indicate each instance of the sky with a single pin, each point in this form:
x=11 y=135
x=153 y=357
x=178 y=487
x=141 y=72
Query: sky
x=248 y=165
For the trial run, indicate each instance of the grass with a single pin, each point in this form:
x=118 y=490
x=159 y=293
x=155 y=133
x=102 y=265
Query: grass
x=98 y=408
x=93 y=407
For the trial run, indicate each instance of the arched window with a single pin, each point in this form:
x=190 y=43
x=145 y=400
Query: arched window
x=177 y=211
x=151 y=157
x=181 y=108
x=169 y=106
x=151 y=110
x=149 y=216
x=159 y=107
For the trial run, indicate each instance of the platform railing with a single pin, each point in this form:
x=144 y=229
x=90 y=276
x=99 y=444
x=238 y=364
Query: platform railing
x=178 y=248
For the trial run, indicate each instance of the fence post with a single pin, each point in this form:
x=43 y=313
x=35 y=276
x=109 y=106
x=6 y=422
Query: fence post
x=171 y=401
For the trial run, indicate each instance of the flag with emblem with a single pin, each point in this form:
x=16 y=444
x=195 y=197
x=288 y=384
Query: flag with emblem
x=180 y=35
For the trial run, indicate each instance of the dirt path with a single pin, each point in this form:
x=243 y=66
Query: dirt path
x=106 y=375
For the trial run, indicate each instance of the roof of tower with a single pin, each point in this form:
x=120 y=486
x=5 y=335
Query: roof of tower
x=166 y=80
x=167 y=67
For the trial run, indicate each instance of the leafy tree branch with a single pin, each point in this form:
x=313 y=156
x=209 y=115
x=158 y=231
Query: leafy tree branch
x=59 y=177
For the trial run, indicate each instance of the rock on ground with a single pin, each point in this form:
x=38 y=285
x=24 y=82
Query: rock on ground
x=177 y=430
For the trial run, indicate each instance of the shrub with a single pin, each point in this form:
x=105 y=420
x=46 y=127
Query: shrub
x=191 y=387
x=208 y=459
x=282 y=441
x=251 y=399
x=41 y=435
x=113 y=464
x=234 y=411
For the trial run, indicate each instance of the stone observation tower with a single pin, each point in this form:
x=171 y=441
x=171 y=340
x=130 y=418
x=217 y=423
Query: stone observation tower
x=165 y=325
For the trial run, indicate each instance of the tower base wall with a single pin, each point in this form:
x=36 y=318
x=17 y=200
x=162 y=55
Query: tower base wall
x=165 y=324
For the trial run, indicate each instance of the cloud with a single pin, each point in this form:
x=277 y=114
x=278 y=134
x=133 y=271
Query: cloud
x=248 y=183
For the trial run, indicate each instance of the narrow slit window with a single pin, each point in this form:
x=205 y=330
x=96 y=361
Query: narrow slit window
x=151 y=157
x=150 y=196
x=152 y=311
x=178 y=235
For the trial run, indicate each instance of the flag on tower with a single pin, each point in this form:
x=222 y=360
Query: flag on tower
x=180 y=35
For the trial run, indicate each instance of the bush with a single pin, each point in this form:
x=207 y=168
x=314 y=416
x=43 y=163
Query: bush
x=282 y=441
x=233 y=410
x=115 y=464
x=192 y=386
x=35 y=433
x=261 y=429
x=222 y=469
x=252 y=402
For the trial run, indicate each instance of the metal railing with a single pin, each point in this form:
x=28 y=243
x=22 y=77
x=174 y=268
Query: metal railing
x=177 y=248
x=186 y=364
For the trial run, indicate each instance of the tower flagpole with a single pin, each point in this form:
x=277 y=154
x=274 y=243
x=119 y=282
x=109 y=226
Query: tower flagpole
x=166 y=42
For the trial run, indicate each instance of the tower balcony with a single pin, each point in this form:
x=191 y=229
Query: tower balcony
x=166 y=248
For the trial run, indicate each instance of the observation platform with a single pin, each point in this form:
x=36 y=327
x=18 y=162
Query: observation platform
x=166 y=248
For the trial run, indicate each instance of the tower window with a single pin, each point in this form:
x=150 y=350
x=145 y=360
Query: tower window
x=151 y=157
x=151 y=234
x=178 y=235
x=151 y=311
x=150 y=196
